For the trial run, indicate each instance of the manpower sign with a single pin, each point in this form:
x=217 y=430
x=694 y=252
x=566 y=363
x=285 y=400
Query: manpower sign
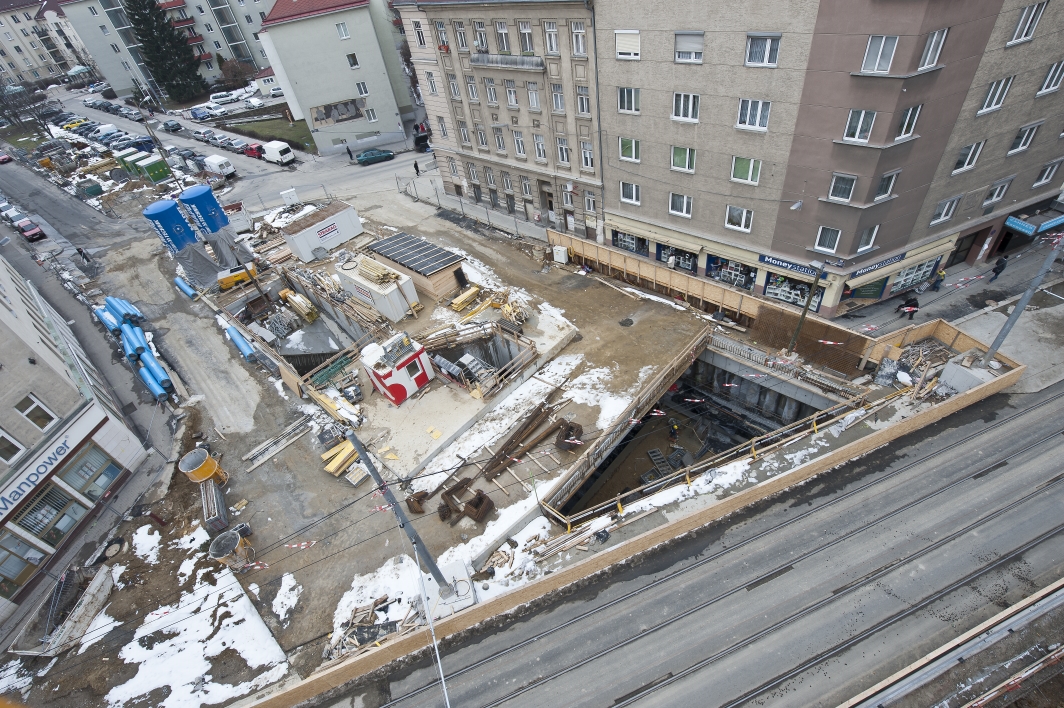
x=35 y=471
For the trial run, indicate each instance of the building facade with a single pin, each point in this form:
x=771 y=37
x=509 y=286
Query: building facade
x=510 y=96
x=63 y=446
x=353 y=89
x=37 y=43
x=818 y=131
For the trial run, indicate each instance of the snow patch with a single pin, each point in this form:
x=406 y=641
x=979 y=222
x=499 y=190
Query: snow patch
x=13 y=677
x=397 y=579
x=279 y=385
x=647 y=296
x=99 y=627
x=286 y=598
x=146 y=544
x=116 y=573
x=193 y=540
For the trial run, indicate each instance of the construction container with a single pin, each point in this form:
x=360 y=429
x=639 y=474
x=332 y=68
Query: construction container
x=328 y=228
x=199 y=466
x=155 y=169
x=123 y=155
x=215 y=513
x=233 y=276
x=232 y=549
x=386 y=290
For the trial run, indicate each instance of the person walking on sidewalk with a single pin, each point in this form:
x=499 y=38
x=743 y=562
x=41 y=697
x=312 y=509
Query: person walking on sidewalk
x=939 y=277
x=911 y=305
x=999 y=268
x=349 y=155
x=417 y=170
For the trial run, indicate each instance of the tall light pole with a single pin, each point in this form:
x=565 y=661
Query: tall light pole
x=818 y=266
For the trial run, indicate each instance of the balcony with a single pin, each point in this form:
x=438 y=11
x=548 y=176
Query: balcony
x=171 y=4
x=205 y=56
x=195 y=39
x=507 y=61
x=183 y=21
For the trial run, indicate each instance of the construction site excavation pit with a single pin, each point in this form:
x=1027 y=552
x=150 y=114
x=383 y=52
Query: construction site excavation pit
x=716 y=405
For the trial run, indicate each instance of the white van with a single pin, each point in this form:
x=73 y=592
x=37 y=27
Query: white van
x=102 y=130
x=223 y=97
x=277 y=151
x=219 y=165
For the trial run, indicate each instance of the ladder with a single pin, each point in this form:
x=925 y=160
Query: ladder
x=660 y=463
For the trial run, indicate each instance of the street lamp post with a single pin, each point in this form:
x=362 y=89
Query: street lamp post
x=818 y=266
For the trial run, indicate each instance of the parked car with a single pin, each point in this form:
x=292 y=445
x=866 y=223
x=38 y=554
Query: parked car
x=29 y=230
x=49 y=112
x=185 y=153
x=89 y=101
x=4 y=158
x=85 y=128
x=99 y=86
x=253 y=103
x=368 y=157
x=199 y=113
x=115 y=109
x=219 y=140
x=202 y=135
x=13 y=216
x=135 y=116
x=112 y=138
x=253 y=150
x=61 y=118
x=73 y=124
x=171 y=126
x=276 y=91
x=215 y=110
x=237 y=145
x=277 y=151
x=223 y=97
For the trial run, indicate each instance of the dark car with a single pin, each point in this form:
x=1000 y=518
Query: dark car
x=368 y=157
x=4 y=158
x=171 y=126
x=29 y=230
x=61 y=119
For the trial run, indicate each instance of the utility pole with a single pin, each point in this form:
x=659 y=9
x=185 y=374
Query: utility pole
x=446 y=590
x=819 y=267
x=1022 y=304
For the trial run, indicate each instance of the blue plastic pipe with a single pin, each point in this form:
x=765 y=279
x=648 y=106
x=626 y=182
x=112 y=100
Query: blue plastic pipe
x=115 y=306
x=241 y=344
x=133 y=311
x=129 y=350
x=115 y=312
x=157 y=371
x=141 y=339
x=185 y=288
x=107 y=319
x=129 y=336
x=151 y=383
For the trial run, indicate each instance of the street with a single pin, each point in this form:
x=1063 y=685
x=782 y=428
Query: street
x=805 y=602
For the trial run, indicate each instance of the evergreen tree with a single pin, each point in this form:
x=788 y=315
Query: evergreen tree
x=166 y=51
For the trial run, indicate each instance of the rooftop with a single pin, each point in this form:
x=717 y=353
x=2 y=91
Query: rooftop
x=415 y=253
x=291 y=10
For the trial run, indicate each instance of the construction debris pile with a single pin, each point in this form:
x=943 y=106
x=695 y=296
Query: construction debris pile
x=917 y=366
x=365 y=629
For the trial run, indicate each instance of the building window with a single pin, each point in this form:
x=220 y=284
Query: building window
x=842 y=187
x=996 y=193
x=1046 y=174
x=16 y=20
x=500 y=140
x=913 y=275
x=583 y=100
x=519 y=143
x=1052 y=80
x=91 y=473
x=507 y=183
x=628 y=149
x=352 y=61
x=453 y=165
x=866 y=238
x=762 y=51
x=371 y=115
x=627 y=42
x=472 y=169
x=541 y=147
x=753 y=115
x=589 y=202
x=933 y=48
x=628 y=100
x=683 y=158
x=10 y=448
x=631 y=243
x=688 y=47
x=208 y=65
x=557 y=98
x=502 y=37
x=217 y=45
x=1023 y=139
x=103 y=28
x=456 y=92
x=524 y=30
x=550 y=32
x=879 y=54
x=745 y=169
x=587 y=156
x=685 y=106
x=579 y=39
x=533 y=94
x=567 y=198
x=630 y=194
x=827 y=239
x=489 y=176
x=210 y=28
x=886 y=186
x=480 y=36
x=471 y=86
x=443 y=126
x=859 y=125
x=362 y=89
x=944 y=210
x=482 y=136
x=563 y=150
x=526 y=186
x=1029 y=17
x=680 y=204
x=114 y=48
x=489 y=89
x=49 y=515
x=511 y=92
x=262 y=15
x=739 y=218
x=907 y=124
x=430 y=78
x=441 y=33
x=419 y=33
x=460 y=35
x=995 y=94
x=967 y=156
x=93 y=11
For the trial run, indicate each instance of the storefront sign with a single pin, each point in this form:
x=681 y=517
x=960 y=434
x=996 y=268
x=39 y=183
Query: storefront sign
x=787 y=265
x=1046 y=226
x=1019 y=225
x=876 y=266
x=328 y=232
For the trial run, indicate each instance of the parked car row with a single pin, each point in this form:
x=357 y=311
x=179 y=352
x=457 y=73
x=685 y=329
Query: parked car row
x=114 y=108
x=14 y=216
x=106 y=134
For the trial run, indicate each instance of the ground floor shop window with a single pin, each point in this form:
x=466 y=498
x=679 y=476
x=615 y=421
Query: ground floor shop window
x=873 y=290
x=682 y=260
x=91 y=473
x=913 y=275
x=50 y=514
x=18 y=560
x=628 y=242
x=731 y=272
x=780 y=287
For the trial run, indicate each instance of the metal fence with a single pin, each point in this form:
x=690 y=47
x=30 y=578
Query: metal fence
x=428 y=189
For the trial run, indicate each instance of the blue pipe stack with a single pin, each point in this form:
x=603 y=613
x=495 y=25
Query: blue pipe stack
x=121 y=318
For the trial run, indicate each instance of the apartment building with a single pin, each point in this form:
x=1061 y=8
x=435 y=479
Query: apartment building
x=63 y=446
x=747 y=143
x=216 y=29
x=509 y=89
x=36 y=42
x=353 y=89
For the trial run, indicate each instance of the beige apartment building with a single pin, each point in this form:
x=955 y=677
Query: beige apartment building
x=37 y=43
x=510 y=94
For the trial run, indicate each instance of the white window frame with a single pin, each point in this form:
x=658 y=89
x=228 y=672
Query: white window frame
x=500 y=139
x=634 y=144
x=945 y=210
x=564 y=152
x=688 y=205
x=688 y=159
x=456 y=88
x=550 y=35
x=996 y=192
x=341 y=30
x=933 y=49
x=567 y=198
x=471 y=168
x=489 y=176
x=460 y=35
x=1027 y=23
x=879 y=54
x=557 y=96
x=820 y=235
x=772 y=48
x=745 y=218
x=502 y=36
x=970 y=158
x=755 y=166
x=519 y=143
x=431 y=79
x=443 y=126
x=839 y=179
x=37 y=404
x=463 y=132
x=533 y=94
x=995 y=95
x=871 y=241
x=541 y=147
x=589 y=201
x=362 y=88
x=526 y=186
x=419 y=33
x=862 y=116
x=578 y=29
x=1045 y=175
x=583 y=100
x=482 y=135
x=524 y=33
x=480 y=36
x=636 y=196
x=628 y=100
x=907 y=124
x=352 y=61
x=11 y=438
x=685 y=103
x=890 y=178
x=688 y=56
x=511 y=92
x=507 y=182
x=759 y=110
x=471 y=88
x=629 y=54
x=587 y=155
x=1053 y=77
x=371 y=115
x=441 y=33
x=1023 y=139
x=489 y=91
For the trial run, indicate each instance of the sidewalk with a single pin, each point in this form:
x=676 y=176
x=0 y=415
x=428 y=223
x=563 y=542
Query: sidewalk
x=430 y=190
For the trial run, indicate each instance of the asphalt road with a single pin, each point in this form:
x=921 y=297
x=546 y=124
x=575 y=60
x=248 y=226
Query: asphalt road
x=803 y=602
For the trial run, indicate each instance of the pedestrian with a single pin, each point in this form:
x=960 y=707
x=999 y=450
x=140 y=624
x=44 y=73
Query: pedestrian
x=674 y=433
x=417 y=170
x=911 y=305
x=939 y=277
x=349 y=155
x=999 y=267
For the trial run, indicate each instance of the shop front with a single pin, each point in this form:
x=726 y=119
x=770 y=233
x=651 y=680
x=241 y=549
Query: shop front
x=628 y=242
x=784 y=281
x=677 y=258
x=731 y=271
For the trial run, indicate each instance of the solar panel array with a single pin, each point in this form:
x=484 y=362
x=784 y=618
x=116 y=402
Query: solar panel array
x=415 y=253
